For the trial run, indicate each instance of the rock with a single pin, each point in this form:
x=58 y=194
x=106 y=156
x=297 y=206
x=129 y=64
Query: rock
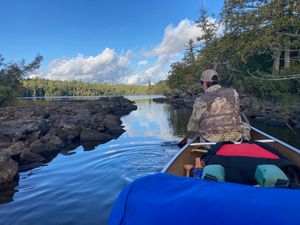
x=35 y=134
x=54 y=118
x=92 y=135
x=160 y=100
x=27 y=157
x=83 y=117
x=15 y=149
x=8 y=168
x=111 y=122
x=43 y=126
x=98 y=118
x=59 y=132
x=5 y=144
x=100 y=128
x=44 y=149
x=72 y=132
x=4 y=139
x=57 y=142
x=32 y=137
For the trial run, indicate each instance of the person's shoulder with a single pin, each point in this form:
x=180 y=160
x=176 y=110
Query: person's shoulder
x=230 y=89
x=233 y=91
x=199 y=101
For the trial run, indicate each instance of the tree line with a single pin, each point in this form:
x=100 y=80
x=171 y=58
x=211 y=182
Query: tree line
x=253 y=44
x=13 y=83
x=41 y=87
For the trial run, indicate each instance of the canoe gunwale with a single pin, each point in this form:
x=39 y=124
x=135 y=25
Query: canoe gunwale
x=276 y=140
x=165 y=168
x=289 y=147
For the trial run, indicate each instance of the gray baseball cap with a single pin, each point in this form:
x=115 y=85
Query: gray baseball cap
x=207 y=75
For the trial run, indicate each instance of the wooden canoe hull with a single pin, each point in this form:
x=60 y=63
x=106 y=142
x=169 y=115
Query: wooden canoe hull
x=186 y=156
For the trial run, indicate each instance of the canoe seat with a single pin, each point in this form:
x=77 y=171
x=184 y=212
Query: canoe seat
x=269 y=175
x=214 y=172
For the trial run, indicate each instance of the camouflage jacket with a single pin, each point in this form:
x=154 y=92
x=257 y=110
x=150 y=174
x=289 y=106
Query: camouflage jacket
x=216 y=116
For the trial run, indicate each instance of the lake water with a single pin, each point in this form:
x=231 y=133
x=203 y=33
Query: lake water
x=80 y=187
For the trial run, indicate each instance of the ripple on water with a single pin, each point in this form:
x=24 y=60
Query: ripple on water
x=79 y=187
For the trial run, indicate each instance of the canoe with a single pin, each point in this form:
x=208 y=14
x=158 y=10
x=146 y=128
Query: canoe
x=167 y=199
x=187 y=153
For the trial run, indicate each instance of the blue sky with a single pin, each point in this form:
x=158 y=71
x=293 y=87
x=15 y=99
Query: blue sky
x=132 y=41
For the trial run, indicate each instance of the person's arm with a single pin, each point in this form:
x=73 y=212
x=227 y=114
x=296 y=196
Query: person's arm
x=198 y=109
x=245 y=124
x=193 y=124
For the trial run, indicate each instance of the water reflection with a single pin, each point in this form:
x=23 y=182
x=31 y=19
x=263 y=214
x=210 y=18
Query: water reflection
x=178 y=119
x=7 y=191
x=80 y=187
x=93 y=179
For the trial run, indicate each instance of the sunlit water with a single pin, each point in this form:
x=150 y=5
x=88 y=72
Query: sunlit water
x=80 y=187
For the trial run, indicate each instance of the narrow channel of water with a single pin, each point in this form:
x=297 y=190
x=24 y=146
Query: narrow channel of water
x=81 y=186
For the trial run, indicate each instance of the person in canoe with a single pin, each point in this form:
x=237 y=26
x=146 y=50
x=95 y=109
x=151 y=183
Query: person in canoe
x=216 y=113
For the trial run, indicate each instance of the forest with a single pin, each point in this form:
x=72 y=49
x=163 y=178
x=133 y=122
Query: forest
x=253 y=45
x=41 y=87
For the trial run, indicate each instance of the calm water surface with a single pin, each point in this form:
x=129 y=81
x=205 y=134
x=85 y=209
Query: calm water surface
x=80 y=187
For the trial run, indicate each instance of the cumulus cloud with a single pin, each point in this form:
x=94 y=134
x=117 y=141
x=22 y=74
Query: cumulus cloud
x=143 y=62
x=175 y=38
x=108 y=66
x=105 y=67
x=153 y=73
x=168 y=51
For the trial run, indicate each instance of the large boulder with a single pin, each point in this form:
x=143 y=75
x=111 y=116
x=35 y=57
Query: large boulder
x=113 y=124
x=92 y=135
x=98 y=118
x=15 y=149
x=28 y=157
x=18 y=129
x=41 y=148
x=57 y=142
x=32 y=137
x=72 y=132
x=8 y=168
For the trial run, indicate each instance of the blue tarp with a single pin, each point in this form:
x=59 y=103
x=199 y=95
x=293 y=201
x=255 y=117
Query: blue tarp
x=163 y=199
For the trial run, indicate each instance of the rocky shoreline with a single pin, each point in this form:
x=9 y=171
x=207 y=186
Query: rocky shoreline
x=34 y=134
x=255 y=109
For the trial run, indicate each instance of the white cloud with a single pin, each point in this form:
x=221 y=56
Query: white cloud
x=143 y=62
x=153 y=73
x=168 y=51
x=175 y=38
x=105 y=67
x=108 y=66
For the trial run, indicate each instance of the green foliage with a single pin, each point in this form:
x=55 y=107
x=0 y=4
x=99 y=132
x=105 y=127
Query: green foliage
x=11 y=76
x=260 y=35
x=182 y=76
x=267 y=88
x=41 y=87
x=6 y=95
